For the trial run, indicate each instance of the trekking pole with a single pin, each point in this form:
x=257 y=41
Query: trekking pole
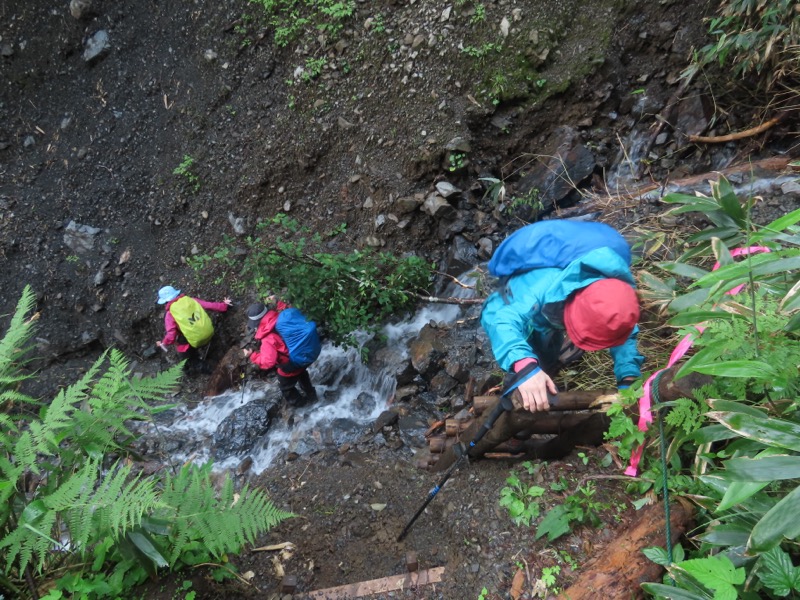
x=505 y=404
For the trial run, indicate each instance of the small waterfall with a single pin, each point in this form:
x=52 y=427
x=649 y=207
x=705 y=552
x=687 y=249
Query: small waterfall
x=354 y=396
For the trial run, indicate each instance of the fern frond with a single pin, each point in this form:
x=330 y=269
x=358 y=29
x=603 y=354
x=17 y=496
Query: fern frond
x=224 y=522
x=15 y=343
x=114 y=508
x=33 y=534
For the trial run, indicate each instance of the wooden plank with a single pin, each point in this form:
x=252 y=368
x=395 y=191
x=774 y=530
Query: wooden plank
x=378 y=586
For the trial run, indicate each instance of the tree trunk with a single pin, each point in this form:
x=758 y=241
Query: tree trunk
x=619 y=569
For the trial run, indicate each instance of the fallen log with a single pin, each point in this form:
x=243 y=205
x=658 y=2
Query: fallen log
x=619 y=569
x=577 y=400
x=590 y=433
x=378 y=586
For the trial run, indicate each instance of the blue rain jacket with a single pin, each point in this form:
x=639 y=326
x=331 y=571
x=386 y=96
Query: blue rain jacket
x=516 y=315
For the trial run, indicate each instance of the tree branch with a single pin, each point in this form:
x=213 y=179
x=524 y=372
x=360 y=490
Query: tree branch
x=738 y=135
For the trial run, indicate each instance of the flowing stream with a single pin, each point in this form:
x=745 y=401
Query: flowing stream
x=353 y=396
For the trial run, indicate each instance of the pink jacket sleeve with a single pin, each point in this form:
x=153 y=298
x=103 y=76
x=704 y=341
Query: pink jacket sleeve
x=171 y=328
x=215 y=306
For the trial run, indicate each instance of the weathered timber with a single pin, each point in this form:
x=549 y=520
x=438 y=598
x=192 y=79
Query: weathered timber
x=513 y=423
x=577 y=400
x=378 y=586
x=619 y=569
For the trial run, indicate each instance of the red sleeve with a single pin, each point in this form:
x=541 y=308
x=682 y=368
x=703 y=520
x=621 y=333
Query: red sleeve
x=265 y=357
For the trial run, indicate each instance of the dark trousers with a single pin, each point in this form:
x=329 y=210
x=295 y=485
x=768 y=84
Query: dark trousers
x=554 y=349
x=288 y=387
x=194 y=357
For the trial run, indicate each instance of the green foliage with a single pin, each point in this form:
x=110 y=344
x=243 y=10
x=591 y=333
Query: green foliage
x=581 y=507
x=313 y=68
x=292 y=18
x=69 y=502
x=754 y=37
x=480 y=52
x=742 y=435
x=184 y=169
x=520 y=499
x=346 y=292
x=480 y=14
x=457 y=161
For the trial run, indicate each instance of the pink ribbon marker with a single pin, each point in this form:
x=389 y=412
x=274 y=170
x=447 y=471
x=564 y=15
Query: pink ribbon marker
x=645 y=402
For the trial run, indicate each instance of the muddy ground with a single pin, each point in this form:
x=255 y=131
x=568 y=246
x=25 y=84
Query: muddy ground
x=94 y=217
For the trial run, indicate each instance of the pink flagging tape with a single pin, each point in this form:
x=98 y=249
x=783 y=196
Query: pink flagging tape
x=645 y=402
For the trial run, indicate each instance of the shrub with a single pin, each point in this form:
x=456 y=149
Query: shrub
x=344 y=291
x=755 y=37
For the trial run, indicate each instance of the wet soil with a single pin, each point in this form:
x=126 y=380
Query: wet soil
x=97 y=142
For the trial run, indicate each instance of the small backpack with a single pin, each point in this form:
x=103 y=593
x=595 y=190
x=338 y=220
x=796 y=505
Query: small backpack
x=192 y=320
x=300 y=336
x=554 y=243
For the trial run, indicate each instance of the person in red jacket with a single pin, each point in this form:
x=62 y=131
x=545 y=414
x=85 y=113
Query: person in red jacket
x=273 y=353
x=187 y=342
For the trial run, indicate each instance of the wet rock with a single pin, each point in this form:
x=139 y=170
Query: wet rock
x=244 y=426
x=427 y=350
x=385 y=419
x=80 y=238
x=565 y=163
x=461 y=256
x=692 y=118
x=441 y=383
x=96 y=47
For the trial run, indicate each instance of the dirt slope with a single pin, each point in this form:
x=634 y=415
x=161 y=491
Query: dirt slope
x=95 y=143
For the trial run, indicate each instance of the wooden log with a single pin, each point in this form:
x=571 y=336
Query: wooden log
x=518 y=420
x=437 y=443
x=378 y=586
x=452 y=427
x=619 y=569
x=577 y=400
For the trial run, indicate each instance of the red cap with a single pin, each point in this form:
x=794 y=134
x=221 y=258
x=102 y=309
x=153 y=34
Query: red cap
x=601 y=315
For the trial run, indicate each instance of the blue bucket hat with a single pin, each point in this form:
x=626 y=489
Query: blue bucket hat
x=167 y=293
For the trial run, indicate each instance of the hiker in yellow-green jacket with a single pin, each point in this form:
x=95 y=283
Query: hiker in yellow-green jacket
x=187 y=324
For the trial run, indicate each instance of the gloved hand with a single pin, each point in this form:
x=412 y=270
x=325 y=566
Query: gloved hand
x=626 y=382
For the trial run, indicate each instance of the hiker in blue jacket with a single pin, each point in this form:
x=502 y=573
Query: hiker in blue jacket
x=567 y=287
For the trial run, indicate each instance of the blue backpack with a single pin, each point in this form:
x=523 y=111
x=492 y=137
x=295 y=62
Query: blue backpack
x=300 y=336
x=554 y=243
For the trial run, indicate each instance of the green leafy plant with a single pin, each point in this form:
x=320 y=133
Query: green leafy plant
x=520 y=500
x=480 y=14
x=313 y=68
x=345 y=291
x=580 y=507
x=456 y=161
x=754 y=37
x=184 y=169
x=62 y=479
x=480 y=52
x=291 y=19
x=741 y=438
x=496 y=190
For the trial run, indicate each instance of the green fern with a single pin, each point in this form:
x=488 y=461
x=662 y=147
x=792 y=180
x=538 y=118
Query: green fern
x=223 y=521
x=83 y=512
